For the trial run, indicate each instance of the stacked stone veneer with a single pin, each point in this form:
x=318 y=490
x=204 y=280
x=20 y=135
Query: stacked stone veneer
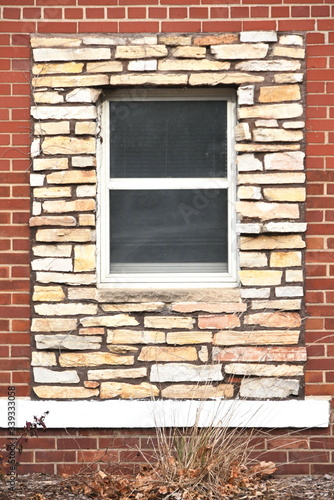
x=90 y=342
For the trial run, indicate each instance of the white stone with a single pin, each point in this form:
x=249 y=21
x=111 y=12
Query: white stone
x=289 y=78
x=143 y=65
x=83 y=161
x=74 y=54
x=249 y=193
x=248 y=163
x=253 y=259
x=255 y=293
x=288 y=160
x=266 y=123
x=105 y=40
x=289 y=291
x=48 y=97
x=294 y=125
x=246 y=95
x=258 y=36
x=52 y=250
x=276 y=135
x=264 y=388
x=43 y=375
x=250 y=228
x=293 y=275
x=35 y=148
x=52 y=128
x=203 y=354
x=37 y=180
x=64 y=112
x=270 y=65
x=52 y=264
x=61 y=309
x=291 y=40
x=86 y=191
x=84 y=293
x=259 y=369
x=240 y=51
x=43 y=358
x=36 y=208
x=285 y=227
x=183 y=372
x=116 y=373
x=242 y=132
x=68 y=341
x=66 y=278
x=83 y=95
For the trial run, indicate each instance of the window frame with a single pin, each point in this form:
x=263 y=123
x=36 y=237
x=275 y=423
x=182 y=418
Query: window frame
x=105 y=279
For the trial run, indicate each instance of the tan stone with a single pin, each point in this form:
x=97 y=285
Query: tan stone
x=61 y=235
x=213 y=307
x=70 y=81
x=110 y=321
x=231 y=78
x=285 y=194
x=128 y=391
x=284 y=161
x=283 y=304
x=53 y=324
x=52 y=128
x=240 y=51
x=253 y=259
x=93 y=359
x=277 y=135
x=135 y=337
x=64 y=113
x=261 y=370
x=91 y=385
x=175 y=39
x=265 y=147
x=64 y=392
x=48 y=294
x=52 y=250
x=52 y=221
x=260 y=354
x=294 y=124
x=268 y=243
x=149 y=79
x=46 y=97
x=195 y=391
x=271 y=111
x=83 y=293
x=260 y=337
x=140 y=52
x=81 y=95
x=174 y=354
x=48 y=68
x=71 y=309
x=87 y=220
x=66 y=278
x=72 y=177
x=52 y=192
x=71 y=54
x=192 y=65
x=222 y=321
x=84 y=205
x=266 y=123
x=84 y=258
x=267 y=211
x=184 y=338
x=83 y=161
x=279 y=93
x=294 y=53
x=285 y=259
x=277 y=178
x=104 y=67
x=215 y=39
x=248 y=162
x=62 y=145
x=291 y=40
x=134 y=307
x=289 y=78
x=249 y=193
x=269 y=65
x=116 y=373
x=260 y=278
x=122 y=349
x=294 y=275
x=43 y=358
x=50 y=163
x=92 y=331
x=85 y=128
x=189 y=52
x=241 y=132
x=274 y=319
x=168 y=322
x=54 y=41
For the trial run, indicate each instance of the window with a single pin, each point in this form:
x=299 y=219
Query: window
x=167 y=189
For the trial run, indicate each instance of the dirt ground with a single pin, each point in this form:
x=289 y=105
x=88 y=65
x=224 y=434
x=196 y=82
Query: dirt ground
x=42 y=487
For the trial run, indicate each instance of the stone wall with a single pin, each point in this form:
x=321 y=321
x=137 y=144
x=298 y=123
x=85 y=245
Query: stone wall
x=91 y=342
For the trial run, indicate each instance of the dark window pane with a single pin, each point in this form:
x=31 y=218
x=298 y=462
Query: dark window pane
x=168 y=139
x=168 y=231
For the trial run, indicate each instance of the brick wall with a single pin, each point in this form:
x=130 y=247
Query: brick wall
x=21 y=19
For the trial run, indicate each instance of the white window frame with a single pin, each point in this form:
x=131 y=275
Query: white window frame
x=105 y=184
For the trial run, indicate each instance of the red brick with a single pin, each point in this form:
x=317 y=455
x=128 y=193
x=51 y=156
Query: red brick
x=300 y=11
x=287 y=443
x=322 y=469
x=259 y=25
x=329 y=377
x=97 y=2
x=219 y=12
x=73 y=13
x=157 y=12
x=116 y=12
x=96 y=27
x=241 y=12
x=57 y=27
x=32 y=13
x=53 y=13
x=11 y=13
x=21 y=377
x=136 y=12
x=325 y=24
x=76 y=443
x=178 y=12
x=294 y=468
x=314 y=297
x=315 y=377
x=5 y=39
x=55 y=456
x=316 y=270
x=198 y=12
x=98 y=456
x=260 y=12
x=21 y=325
x=95 y=13
x=281 y=11
x=301 y=25
x=217 y=26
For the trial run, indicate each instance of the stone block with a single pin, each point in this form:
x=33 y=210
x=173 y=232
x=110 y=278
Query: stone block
x=53 y=324
x=52 y=128
x=54 y=41
x=266 y=123
x=92 y=331
x=271 y=111
x=50 y=163
x=277 y=178
x=294 y=124
x=84 y=258
x=242 y=132
x=240 y=51
x=149 y=79
x=192 y=65
x=212 y=307
x=231 y=78
x=261 y=370
x=87 y=220
x=135 y=337
x=258 y=36
x=291 y=40
x=277 y=319
x=264 y=388
x=64 y=113
x=187 y=52
x=253 y=337
x=83 y=161
x=184 y=338
x=43 y=359
x=110 y=321
x=36 y=180
x=63 y=145
x=195 y=391
x=279 y=93
x=116 y=373
x=134 y=307
x=255 y=293
x=248 y=162
x=266 y=211
x=67 y=341
x=52 y=250
x=260 y=278
x=260 y=354
x=70 y=81
x=71 y=54
x=290 y=241
x=292 y=160
x=168 y=322
x=104 y=67
x=253 y=259
x=64 y=392
x=277 y=135
x=143 y=65
x=294 y=275
x=173 y=354
x=66 y=221
x=265 y=147
x=70 y=359
x=283 y=304
x=183 y=372
x=45 y=376
x=289 y=291
x=289 y=78
x=85 y=128
x=222 y=321
x=81 y=293
x=250 y=228
x=285 y=194
x=91 y=385
x=293 y=52
x=72 y=176
x=60 y=68
x=285 y=227
x=270 y=65
x=249 y=193
x=174 y=40
x=246 y=95
x=66 y=278
x=52 y=264
x=144 y=390
x=140 y=52
x=85 y=205
x=71 y=309
x=83 y=95
x=65 y=235
x=285 y=259
x=216 y=39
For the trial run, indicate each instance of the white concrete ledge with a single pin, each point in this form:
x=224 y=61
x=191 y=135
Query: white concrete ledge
x=147 y=414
